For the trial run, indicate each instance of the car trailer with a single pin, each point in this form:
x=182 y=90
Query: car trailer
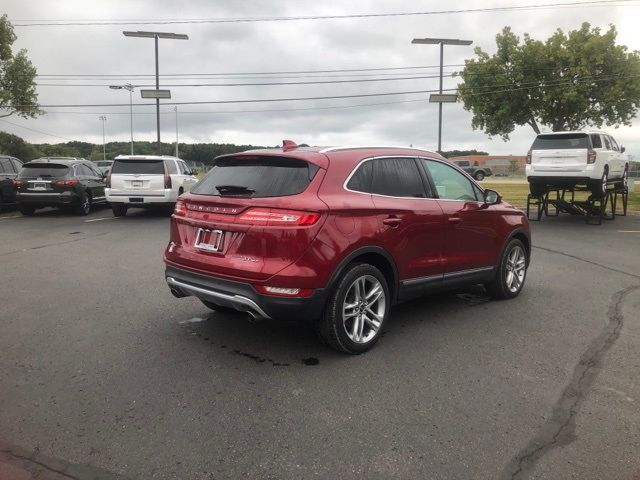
x=594 y=208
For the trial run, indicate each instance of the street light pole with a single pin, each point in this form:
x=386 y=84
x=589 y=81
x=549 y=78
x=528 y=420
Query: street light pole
x=442 y=42
x=103 y=119
x=127 y=86
x=156 y=36
x=176 y=110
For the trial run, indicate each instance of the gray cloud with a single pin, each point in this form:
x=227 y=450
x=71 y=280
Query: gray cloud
x=277 y=46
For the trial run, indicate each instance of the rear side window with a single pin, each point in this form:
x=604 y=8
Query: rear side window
x=171 y=167
x=360 y=181
x=596 y=142
x=6 y=166
x=44 y=170
x=614 y=144
x=607 y=143
x=397 y=177
x=257 y=177
x=144 y=167
x=558 y=142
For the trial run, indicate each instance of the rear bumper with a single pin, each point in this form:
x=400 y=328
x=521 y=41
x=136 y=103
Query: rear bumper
x=47 y=199
x=140 y=198
x=559 y=181
x=243 y=296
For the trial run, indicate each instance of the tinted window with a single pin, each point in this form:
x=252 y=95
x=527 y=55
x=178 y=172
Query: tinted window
x=565 y=140
x=257 y=177
x=397 y=177
x=148 y=167
x=103 y=163
x=171 y=167
x=35 y=170
x=17 y=164
x=450 y=183
x=607 y=143
x=463 y=163
x=360 y=181
x=5 y=166
x=595 y=141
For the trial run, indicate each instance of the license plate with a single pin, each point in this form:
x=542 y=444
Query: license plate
x=136 y=183
x=39 y=186
x=210 y=240
x=136 y=200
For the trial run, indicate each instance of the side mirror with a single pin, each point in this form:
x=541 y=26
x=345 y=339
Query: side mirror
x=622 y=149
x=491 y=197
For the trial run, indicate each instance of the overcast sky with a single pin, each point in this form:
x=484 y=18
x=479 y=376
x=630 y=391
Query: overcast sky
x=273 y=47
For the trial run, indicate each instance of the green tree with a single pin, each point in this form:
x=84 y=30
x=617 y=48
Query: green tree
x=17 y=147
x=17 y=87
x=568 y=82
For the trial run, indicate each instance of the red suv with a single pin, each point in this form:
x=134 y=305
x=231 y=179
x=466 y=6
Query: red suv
x=339 y=235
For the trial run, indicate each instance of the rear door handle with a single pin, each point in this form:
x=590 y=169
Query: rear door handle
x=392 y=221
x=455 y=220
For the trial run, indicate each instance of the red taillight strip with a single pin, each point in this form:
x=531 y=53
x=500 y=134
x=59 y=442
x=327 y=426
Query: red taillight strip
x=276 y=217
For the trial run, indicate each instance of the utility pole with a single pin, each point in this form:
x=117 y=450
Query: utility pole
x=176 y=110
x=156 y=36
x=103 y=119
x=441 y=98
x=127 y=86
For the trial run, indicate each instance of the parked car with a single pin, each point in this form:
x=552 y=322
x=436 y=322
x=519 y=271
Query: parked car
x=9 y=168
x=59 y=182
x=144 y=181
x=339 y=235
x=566 y=159
x=103 y=165
x=475 y=171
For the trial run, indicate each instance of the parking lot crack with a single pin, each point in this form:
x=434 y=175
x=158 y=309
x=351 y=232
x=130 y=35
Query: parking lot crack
x=54 y=244
x=43 y=465
x=607 y=267
x=559 y=429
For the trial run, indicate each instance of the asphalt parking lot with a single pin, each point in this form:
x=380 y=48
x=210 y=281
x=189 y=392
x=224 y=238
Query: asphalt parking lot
x=105 y=375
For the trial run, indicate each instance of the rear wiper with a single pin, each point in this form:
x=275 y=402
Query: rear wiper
x=233 y=189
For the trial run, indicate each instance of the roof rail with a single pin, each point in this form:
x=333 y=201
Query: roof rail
x=362 y=147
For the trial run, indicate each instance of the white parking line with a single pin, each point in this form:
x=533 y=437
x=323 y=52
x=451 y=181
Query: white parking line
x=628 y=231
x=13 y=216
x=100 y=219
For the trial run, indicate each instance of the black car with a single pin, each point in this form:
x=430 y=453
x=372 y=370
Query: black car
x=476 y=172
x=71 y=183
x=9 y=168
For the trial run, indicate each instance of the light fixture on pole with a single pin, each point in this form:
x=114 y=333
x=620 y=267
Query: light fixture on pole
x=127 y=86
x=440 y=99
x=103 y=119
x=156 y=36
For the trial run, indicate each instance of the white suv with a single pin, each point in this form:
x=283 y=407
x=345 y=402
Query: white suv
x=566 y=159
x=146 y=181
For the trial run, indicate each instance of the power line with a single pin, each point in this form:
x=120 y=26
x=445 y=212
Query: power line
x=490 y=89
x=102 y=22
x=34 y=130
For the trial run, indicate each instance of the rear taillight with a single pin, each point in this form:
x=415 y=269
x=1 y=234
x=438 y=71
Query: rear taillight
x=66 y=183
x=167 y=177
x=591 y=156
x=108 y=180
x=18 y=183
x=283 y=291
x=180 y=209
x=529 y=157
x=278 y=218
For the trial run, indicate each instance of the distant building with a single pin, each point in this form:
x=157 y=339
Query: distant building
x=497 y=163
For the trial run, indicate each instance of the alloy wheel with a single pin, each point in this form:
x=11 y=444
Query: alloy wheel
x=515 y=269
x=363 y=309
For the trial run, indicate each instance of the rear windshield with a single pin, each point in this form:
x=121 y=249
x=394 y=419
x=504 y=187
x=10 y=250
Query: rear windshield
x=259 y=177
x=566 y=140
x=43 y=170
x=138 y=167
x=104 y=163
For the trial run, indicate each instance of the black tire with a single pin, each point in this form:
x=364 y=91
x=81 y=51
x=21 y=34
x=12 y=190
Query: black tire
x=119 y=210
x=500 y=287
x=599 y=187
x=536 y=189
x=84 y=206
x=218 y=308
x=479 y=176
x=332 y=328
x=624 y=181
x=26 y=209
